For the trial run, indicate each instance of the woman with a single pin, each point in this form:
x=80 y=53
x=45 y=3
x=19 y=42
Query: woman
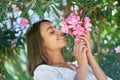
x=45 y=58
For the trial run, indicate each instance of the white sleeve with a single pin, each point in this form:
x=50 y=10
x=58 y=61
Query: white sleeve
x=45 y=73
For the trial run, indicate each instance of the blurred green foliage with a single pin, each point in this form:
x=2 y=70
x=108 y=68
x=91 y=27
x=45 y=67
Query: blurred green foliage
x=105 y=35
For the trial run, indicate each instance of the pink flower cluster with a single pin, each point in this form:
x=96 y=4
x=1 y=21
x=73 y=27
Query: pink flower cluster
x=117 y=49
x=24 y=22
x=75 y=25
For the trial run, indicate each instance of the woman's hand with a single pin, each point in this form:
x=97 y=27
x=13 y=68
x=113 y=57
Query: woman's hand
x=80 y=51
x=86 y=40
x=100 y=75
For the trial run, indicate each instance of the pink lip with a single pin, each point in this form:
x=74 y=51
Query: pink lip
x=62 y=37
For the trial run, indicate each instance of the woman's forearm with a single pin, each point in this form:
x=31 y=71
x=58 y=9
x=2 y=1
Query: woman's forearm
x=100 y=75
x=81 y=74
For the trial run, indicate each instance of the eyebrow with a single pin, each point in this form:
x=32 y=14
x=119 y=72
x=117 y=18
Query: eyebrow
x=50 y=27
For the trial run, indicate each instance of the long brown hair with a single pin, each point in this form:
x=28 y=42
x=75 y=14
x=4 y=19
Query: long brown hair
x=34 y=46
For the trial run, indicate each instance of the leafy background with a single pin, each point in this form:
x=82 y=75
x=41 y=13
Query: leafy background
x=105 y=35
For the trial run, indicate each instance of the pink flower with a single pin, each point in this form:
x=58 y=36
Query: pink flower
x=74 y=25
x=87 y=23
x=71 y=34
x=14 y=7
x=65 y=28
x=78 y=30
x=72 y=19
x=87 y=20
x=117 y=49
x=71 y=8
x=88 y=26
x=76 y=12
x=23 y=22
x=81 y=12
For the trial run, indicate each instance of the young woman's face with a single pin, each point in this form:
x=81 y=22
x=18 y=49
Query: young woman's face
x=52 y=38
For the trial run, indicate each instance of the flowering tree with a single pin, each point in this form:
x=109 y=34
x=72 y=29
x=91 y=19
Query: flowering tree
x=17 y=16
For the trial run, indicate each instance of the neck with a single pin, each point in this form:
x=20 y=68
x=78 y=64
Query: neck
x=55 y=58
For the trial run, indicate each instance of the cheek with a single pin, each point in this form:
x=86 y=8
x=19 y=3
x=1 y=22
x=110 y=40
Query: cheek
x=49 y=42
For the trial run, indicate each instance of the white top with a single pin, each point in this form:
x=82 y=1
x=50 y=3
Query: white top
x=46 y=72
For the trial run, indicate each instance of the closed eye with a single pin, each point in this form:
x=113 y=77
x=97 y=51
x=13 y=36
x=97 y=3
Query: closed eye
x=52 y=32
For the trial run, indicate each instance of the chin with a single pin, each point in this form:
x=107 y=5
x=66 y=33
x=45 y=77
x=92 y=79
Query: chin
x=62 y=44
x=65 y=44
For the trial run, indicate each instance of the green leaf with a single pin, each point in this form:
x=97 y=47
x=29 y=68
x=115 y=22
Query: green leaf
x=40 y=11
x=4 y=6
x=26 y=10
x=55 y=11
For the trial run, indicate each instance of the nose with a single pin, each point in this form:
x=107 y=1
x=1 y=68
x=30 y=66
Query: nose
x=60 y=32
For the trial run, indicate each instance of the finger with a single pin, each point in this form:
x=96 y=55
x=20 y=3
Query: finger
x=85 y=40
x=82 y=41
x=77 y=40
x=81 y=48
x=84 y=50
x=85 y=54
x=78 y=50
x=87 y=34
x=75 y=46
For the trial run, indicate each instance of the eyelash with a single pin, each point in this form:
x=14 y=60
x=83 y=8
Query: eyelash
x=52 y=32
